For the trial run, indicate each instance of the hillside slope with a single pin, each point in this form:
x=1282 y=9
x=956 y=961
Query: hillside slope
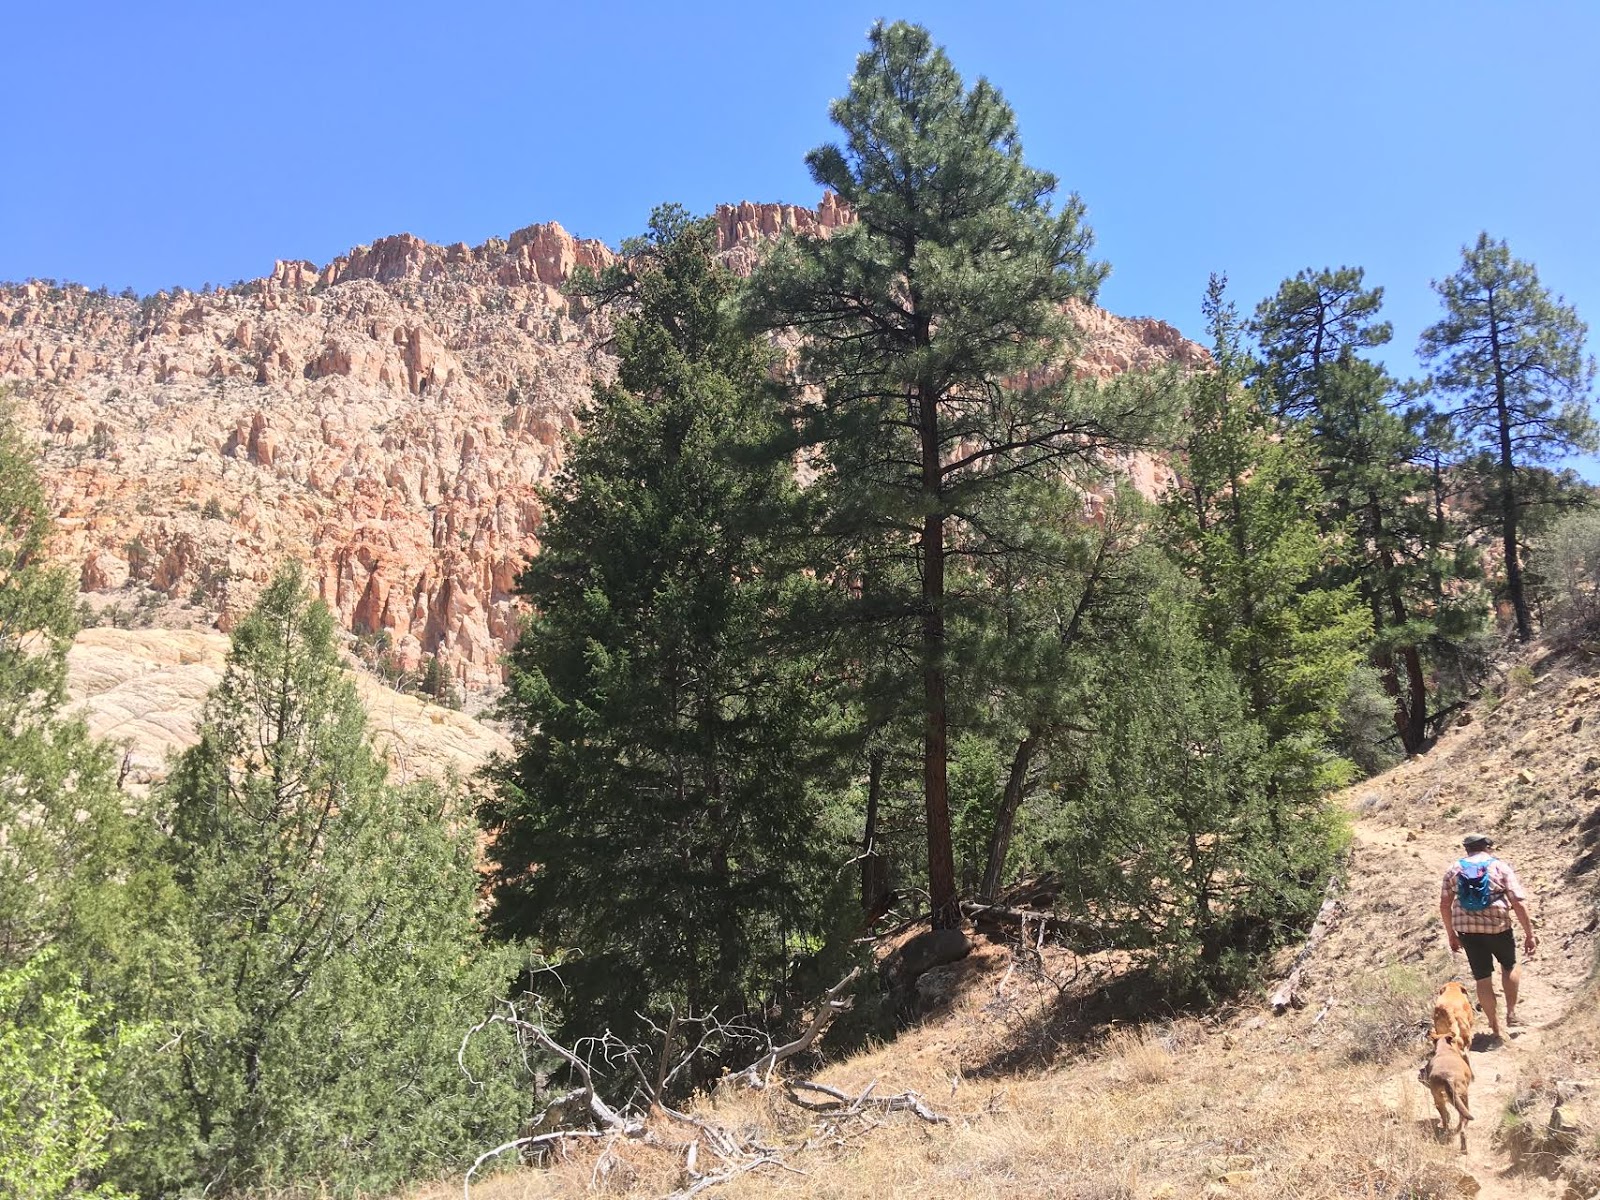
x=1056 y=1086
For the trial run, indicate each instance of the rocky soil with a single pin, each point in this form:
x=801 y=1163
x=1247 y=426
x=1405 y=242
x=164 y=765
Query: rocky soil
x=386 y=418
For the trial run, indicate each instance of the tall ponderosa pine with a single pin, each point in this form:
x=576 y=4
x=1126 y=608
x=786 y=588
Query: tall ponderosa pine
x=932 y=324
x=1510 y=362
x=657 y=817
x=330 y=931
x=1375 y=490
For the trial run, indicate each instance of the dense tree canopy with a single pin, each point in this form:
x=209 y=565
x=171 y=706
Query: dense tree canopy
x=658 y=816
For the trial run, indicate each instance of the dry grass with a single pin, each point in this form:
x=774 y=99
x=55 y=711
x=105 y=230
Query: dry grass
x=1152 y=1112
x=1055 y=1091
x=1390 y=1015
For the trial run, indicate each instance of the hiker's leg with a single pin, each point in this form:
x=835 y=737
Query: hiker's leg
x=1486 y=1002
x=1505 y=952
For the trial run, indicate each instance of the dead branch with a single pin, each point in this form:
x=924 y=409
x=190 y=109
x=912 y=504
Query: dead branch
x=1000 y=914
x=703 y=1182
x=844 y=1105
x=737 y=1153
x=759 y=1073
x=1286 y=996
x=524 y=1144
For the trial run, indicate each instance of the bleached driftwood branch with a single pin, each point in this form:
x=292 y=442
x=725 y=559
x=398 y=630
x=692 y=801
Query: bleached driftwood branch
x=842 y=1104
x=759 y=1073
x=1287 y=994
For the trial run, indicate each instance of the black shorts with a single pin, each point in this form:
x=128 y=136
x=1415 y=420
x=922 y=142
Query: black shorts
x=1483 y=948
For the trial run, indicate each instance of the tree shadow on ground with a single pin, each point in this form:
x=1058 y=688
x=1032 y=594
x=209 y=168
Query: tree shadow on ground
x=1075 y=1020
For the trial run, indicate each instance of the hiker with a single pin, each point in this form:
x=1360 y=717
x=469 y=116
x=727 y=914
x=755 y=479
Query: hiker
x=1479 y=896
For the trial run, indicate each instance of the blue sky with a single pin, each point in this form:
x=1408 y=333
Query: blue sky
x=155 y=144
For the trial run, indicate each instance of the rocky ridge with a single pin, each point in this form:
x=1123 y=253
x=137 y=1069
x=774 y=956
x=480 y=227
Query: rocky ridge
x=387 y=418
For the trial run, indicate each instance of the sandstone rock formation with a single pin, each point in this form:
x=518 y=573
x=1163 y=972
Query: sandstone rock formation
x=145 y=689
x=387 y=418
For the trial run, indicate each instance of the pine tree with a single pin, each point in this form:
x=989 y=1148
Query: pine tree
x=658 y=817
x=329 y=931
x=1312 y=323
x=932 y=324
x=1366 y=454
x=1244 y=525
x=1509 y=361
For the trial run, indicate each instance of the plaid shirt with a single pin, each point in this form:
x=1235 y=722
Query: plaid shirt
x=1503 y=884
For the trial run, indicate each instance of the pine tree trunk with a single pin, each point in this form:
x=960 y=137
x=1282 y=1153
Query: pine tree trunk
x=935 y=747
x=935 y=744
x=1411 y=714
x=1415 y=735
x=1005 y=819
x=874 y=868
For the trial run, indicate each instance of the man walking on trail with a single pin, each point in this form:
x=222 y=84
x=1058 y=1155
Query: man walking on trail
x=1479 y=896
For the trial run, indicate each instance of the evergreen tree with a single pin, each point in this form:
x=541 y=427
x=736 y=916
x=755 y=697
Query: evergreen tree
x=1375 y=490
x=934 y=327
x=658 y=817
x=78 y=898
x=64 y=834
x=1509 y=361
x=329 y=931
x=1073 y=582
x=1244 y=526
x=1173 y=836
x=1313 y=322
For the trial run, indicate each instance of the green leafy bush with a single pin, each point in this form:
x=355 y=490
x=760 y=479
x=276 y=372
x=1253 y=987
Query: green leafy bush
x=53 y=1123
x=1570 y=563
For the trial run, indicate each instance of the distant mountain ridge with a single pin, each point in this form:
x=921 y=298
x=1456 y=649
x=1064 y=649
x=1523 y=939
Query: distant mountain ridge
x=386 y=418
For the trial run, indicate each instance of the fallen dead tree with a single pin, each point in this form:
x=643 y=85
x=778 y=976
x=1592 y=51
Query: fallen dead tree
x=1002 y=915
x=1288 y=995
x=643 y=1119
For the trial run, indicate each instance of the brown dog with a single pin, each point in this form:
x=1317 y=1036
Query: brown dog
x=1447 y=1076
x=1452 y=1014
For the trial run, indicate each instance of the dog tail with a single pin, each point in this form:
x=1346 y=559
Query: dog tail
x=1459 y=1101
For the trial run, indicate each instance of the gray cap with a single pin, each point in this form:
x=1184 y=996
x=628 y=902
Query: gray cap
x=1476 y=839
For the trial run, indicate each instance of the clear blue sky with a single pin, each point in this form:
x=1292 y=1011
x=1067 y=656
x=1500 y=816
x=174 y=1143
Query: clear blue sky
x=161 y=143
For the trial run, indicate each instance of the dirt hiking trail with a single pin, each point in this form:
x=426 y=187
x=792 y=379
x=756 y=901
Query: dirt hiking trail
x=1528 y=773
x=1396 y=866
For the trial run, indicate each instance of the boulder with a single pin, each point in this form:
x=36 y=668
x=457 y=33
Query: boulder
x=929 y=949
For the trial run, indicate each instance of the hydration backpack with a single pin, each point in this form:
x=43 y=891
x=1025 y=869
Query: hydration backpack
x=1472 y=885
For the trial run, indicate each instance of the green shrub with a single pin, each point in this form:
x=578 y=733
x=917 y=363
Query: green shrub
x=1570 y=563
x=53 y=1125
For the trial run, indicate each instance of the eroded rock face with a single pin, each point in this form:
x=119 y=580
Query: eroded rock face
x=388 y=419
